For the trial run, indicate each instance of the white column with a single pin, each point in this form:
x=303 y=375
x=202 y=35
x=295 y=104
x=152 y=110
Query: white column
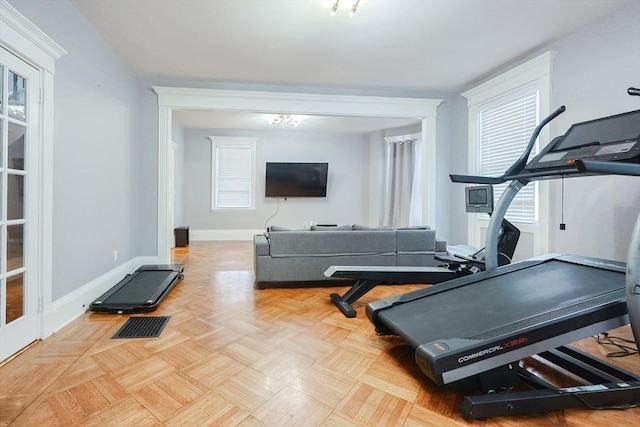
x=164 y=146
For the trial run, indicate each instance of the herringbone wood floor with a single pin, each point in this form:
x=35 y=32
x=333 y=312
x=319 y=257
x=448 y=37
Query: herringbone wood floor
x=235 y=356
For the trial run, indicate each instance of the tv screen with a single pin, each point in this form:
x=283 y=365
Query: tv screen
x=296 y=179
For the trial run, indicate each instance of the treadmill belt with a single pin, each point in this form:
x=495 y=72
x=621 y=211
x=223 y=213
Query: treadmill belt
x=140 y=292
x=487 y=306
x=141 y=288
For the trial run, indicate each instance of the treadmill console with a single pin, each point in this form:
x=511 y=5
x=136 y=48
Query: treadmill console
x=614 y=138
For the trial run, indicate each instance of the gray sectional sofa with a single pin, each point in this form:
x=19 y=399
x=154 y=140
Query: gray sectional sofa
x=300 y=257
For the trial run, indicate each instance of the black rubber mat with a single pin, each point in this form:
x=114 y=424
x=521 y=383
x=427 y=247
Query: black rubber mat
x=142 y=327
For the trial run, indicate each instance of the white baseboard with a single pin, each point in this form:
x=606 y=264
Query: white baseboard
x=73 y=305
x=223 y=234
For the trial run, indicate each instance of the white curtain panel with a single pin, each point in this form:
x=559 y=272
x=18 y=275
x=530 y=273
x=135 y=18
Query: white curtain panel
x=402 y=195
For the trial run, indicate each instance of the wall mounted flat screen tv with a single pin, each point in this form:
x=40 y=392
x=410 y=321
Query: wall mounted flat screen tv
x=296 y=179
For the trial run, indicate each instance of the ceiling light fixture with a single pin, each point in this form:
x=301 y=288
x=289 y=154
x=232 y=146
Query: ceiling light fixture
x=337 y=5
x=284 y=120
x=334 y=8
x=354 y=8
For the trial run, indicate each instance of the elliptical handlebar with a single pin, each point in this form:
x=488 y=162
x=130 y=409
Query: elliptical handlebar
x=633 y=91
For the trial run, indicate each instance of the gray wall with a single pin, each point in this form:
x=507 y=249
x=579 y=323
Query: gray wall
x=97 y=126
x=450 y=135
x=347 y=191
x=458 y=155
x=591 y=73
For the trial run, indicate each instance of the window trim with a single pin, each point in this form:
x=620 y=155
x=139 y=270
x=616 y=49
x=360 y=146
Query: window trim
x=218 y=141
x=534 y=74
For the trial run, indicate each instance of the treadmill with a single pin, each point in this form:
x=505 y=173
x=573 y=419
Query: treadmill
x=533 y=307
x=141 y=291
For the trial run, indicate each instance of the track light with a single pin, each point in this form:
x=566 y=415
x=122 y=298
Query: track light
x=354 y=8
x=336 y=5
x=334 y=8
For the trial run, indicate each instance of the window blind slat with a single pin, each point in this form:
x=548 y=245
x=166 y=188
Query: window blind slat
x=233 y=179
x=504 y=131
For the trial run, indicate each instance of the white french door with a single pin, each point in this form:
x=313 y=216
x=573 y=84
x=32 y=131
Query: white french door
x=19 y=204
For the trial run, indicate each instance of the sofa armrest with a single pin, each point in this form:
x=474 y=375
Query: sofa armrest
x=260 y=245
x=441 y=245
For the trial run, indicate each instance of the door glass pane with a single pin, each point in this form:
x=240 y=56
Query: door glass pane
x=15 y=196
x=17 y=96
x=15 y=247
x=16 y=146
x=1 y=142
x=15 y=297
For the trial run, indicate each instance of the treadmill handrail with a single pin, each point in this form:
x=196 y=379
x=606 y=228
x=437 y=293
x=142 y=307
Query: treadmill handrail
x=598 y=166
x=518 y=165
x=475 y=179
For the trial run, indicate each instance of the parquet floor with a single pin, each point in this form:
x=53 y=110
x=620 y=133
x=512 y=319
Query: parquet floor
x=235 y=356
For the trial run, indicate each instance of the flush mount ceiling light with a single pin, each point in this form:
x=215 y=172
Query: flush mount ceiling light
x=353 y=8
x=284 y=120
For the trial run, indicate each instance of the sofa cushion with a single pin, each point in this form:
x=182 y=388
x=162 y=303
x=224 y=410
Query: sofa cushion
x=416 y=240
x=330 y=243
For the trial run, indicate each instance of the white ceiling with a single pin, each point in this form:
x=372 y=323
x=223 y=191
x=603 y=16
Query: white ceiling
x=390 y=46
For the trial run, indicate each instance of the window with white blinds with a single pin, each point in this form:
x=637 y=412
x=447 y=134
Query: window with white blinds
x=233 y=173
x=504 y=130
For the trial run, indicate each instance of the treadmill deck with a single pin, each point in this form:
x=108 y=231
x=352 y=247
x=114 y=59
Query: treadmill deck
x=467 y=326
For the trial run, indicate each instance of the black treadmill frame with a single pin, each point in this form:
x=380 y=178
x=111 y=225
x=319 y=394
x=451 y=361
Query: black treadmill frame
x=151 y=302
x=531 y=334
x=610 y=386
